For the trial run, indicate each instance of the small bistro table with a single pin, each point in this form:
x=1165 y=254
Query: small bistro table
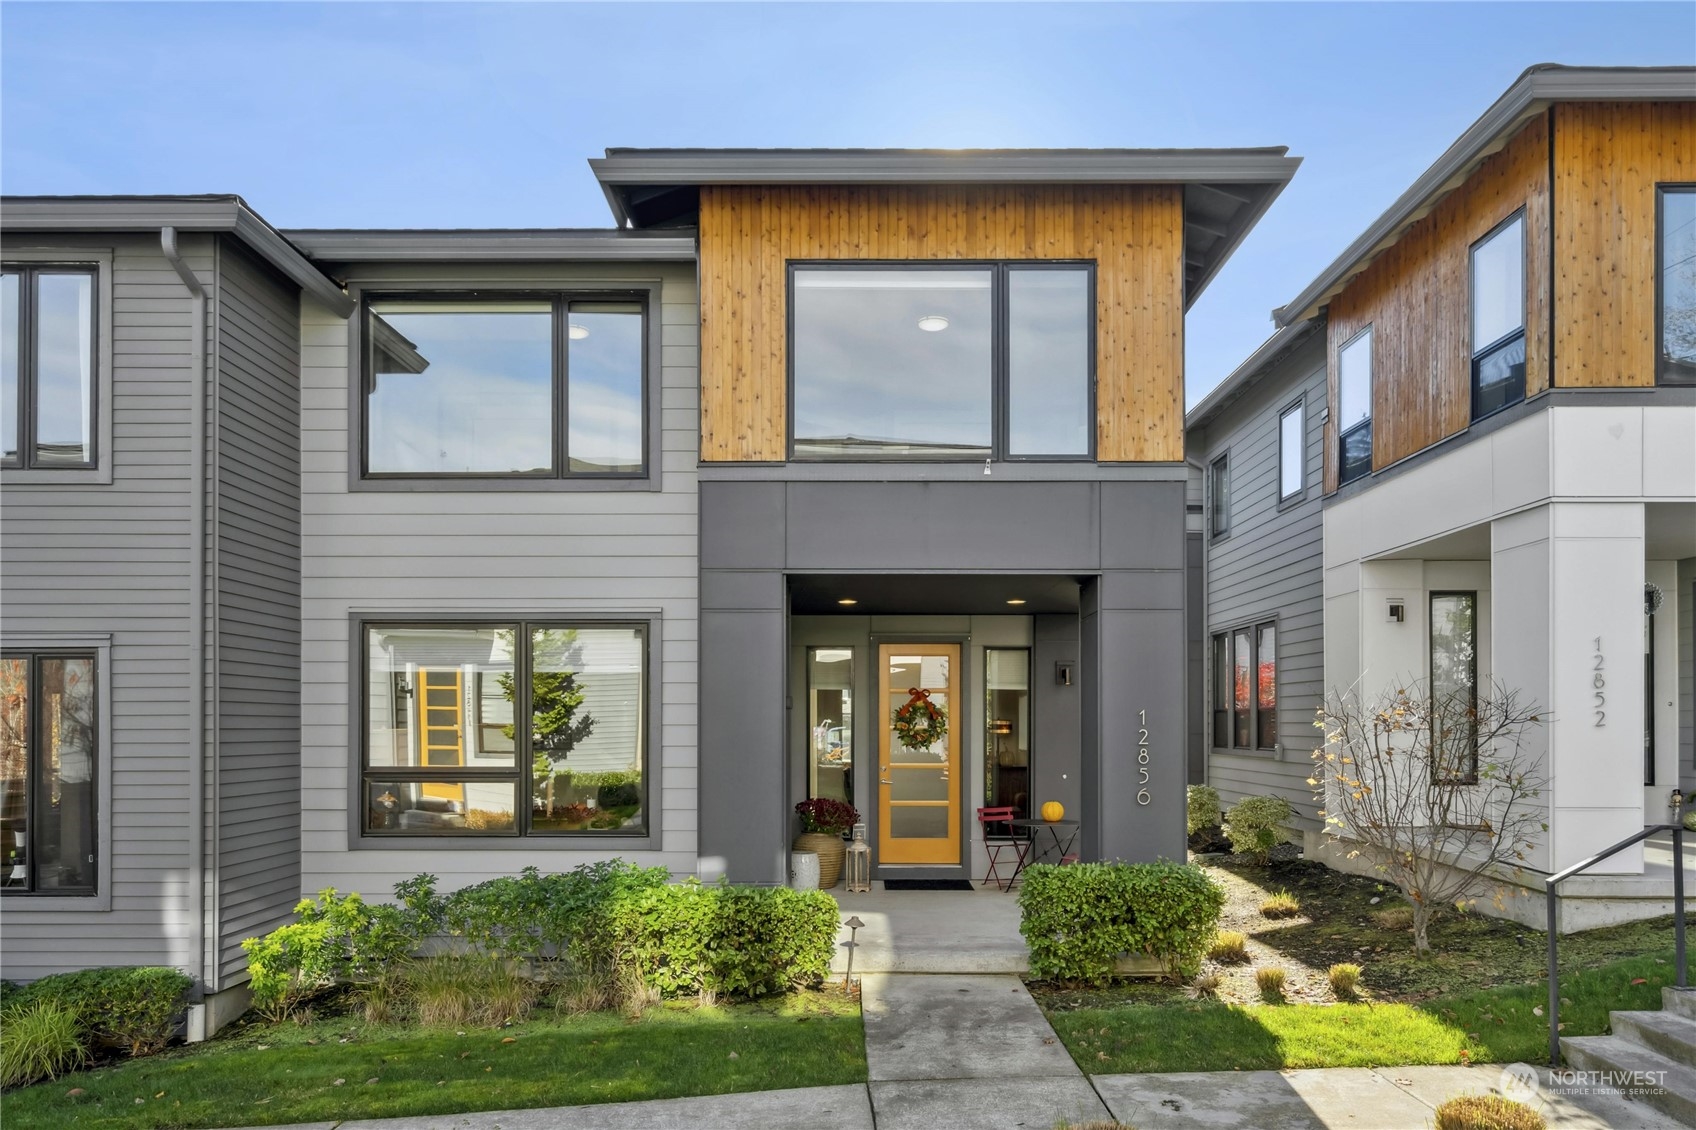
x=1055 y=828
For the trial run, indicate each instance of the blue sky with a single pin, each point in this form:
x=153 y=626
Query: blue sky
x=446 y=115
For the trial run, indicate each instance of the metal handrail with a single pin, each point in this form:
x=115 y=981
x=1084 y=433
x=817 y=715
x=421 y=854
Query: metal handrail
x=1552 y=895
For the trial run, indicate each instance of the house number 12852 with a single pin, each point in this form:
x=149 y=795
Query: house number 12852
x=1143 y=796
x=1600 y=684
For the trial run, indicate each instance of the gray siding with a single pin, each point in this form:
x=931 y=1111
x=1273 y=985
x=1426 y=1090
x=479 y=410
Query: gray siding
x=1687 y=675
x=417 y=554
x=113 y=560
x=257 y=579
x=1268 y=567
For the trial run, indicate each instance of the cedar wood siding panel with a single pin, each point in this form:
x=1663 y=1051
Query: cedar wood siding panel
x=257 y=579
x=1608 y=158
x=114 y=560
x=1269 y=567
x=749 y=234
x=1416 y=297
x=401 y=554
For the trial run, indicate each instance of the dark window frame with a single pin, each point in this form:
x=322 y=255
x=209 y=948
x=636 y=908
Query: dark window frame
x=1285 y=498
x=1667 y=372
x=27 y=273
x=1219 y=480
x=520 y=773
x=1470 y=777
x=992 y=772
x=32 y=754
x=1000 y=363
x=1344 y=475
x=1224 y=722
x=1482 y=353
x=560 y=300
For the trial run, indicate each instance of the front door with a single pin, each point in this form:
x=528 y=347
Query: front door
x=918 y=791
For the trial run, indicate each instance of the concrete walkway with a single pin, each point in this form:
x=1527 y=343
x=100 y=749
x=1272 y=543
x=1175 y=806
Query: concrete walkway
x=933 y=931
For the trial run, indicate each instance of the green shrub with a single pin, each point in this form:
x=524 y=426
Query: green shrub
x=1345 y=977
x=1487 y=1112
x=1201 y=805
x=724 y=940
x=1690 y=821
x=1280 y=904
x=1252 y=823
x=1079 y=919
x=1271 y=982
x=39 y=1040
x=131 y=1007
x=1230 y=947
x=531 y=915
x=339 y=938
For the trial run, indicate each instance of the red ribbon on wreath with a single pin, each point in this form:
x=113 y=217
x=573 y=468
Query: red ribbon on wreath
x=908 y=732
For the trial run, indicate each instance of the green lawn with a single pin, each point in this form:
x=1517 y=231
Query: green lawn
x=335 y=1069
x=1495 y=1025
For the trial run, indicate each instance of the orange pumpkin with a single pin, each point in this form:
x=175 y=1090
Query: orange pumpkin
x=1053 y=810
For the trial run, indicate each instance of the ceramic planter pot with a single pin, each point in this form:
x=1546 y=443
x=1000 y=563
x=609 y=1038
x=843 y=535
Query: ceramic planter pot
x=830 y=849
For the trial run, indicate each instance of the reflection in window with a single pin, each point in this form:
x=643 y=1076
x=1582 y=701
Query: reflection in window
x=1007 y=736
x=1454 y=686
x=1292 y=451
x=505 y=729
x=1245 y=688
x=1049 y=325
x=1219 y=479
x=48 y=748
x=1266 y=687
x=47 y=366
x=604 y=386
x=1498 y=319
x=1242 y=689
x=830 y=723
x=1676 y=355
x=1354 y=407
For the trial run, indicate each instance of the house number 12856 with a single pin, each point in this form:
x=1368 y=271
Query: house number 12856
x=1600 y=684
x=1143 y=796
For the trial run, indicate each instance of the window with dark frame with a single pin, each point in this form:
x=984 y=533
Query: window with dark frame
x=505 y=385
x=505 y=729
x=1497 y=269
x=1354 y=407
x=1245 y=688
x=906 y=360
x=49 y=747
x=1675 y=284
x=1292 y=451
x=48 y=361
x=1219 y=495
x=1454 y=687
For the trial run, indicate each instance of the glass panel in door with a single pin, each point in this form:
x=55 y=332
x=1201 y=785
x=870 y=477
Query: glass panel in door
x=919 y=782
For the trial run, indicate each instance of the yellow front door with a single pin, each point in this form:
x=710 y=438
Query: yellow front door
x=918 y=791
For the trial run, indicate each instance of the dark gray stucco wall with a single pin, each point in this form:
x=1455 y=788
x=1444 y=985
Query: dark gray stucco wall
x=1056 y=717
x=1124 y=540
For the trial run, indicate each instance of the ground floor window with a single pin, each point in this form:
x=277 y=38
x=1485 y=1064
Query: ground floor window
x=1454 y=686
x=521 y=728
x=1245 y=688
x=48 y=755
x=1007 y=729
x=830 y=723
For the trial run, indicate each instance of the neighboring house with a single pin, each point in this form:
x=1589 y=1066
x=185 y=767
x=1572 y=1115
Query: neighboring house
x=545 y=547
x=1257 y=444
x=1510 y=453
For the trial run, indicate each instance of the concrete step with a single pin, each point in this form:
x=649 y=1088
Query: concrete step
x=1680 y=1001
x=1671 y=1035
x=1660 y=1083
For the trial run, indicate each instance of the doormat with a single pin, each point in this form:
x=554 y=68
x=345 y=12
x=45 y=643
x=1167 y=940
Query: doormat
x=927 y=884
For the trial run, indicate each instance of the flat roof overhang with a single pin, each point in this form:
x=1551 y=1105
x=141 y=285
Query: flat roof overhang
x=933 y=594
x=494 y=245
x=1226 y=191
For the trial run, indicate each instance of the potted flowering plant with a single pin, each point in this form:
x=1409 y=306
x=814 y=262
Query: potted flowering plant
x=823 y=824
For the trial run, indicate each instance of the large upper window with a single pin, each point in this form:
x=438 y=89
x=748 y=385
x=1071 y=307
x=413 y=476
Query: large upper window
x=1292 y=450
x=1498 y=318
x=1354 y=406
x=47 y=349
x=1245 y=688
x=1454 y=686
x=48 y=745
x=542 y=386
x=1675 y=357
x=942 y=360
x=505 y=729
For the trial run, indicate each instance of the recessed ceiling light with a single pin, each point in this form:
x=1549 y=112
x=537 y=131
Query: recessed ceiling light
x=578 y=331
x=1016 y=600
x=847 y=600
x=932 y=323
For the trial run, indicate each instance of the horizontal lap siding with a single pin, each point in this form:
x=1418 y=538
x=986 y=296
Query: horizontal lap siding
x=400 y=554
x=1269 y=567
x=113 y=560
x=258 y=616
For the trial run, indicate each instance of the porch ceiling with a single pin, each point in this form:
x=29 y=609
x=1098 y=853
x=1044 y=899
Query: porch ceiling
x=932 y=594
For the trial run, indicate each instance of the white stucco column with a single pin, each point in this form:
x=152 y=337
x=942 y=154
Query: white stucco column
x=1567 y=582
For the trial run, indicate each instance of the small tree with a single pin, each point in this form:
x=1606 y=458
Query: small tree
x=555 y=698
x=1435 y=789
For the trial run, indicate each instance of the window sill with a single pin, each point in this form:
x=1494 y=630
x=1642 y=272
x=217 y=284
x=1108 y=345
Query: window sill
x=22 y=902
x=100 y=475
x=556 y=842
x=449 y=485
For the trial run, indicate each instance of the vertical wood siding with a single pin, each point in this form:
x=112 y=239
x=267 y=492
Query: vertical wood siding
x=1135 y=235
x=1416 y=296
x=1270 y=568
x=257 y=579
x=100 y=560
x=1608 y=158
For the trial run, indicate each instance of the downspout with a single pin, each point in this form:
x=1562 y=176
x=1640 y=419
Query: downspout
x=1206 y=636
x=196 y=608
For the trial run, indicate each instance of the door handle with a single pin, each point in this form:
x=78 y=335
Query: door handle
x=882 y=778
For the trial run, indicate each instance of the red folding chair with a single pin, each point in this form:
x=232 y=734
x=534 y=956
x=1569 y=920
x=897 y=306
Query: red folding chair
x=999 y=835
